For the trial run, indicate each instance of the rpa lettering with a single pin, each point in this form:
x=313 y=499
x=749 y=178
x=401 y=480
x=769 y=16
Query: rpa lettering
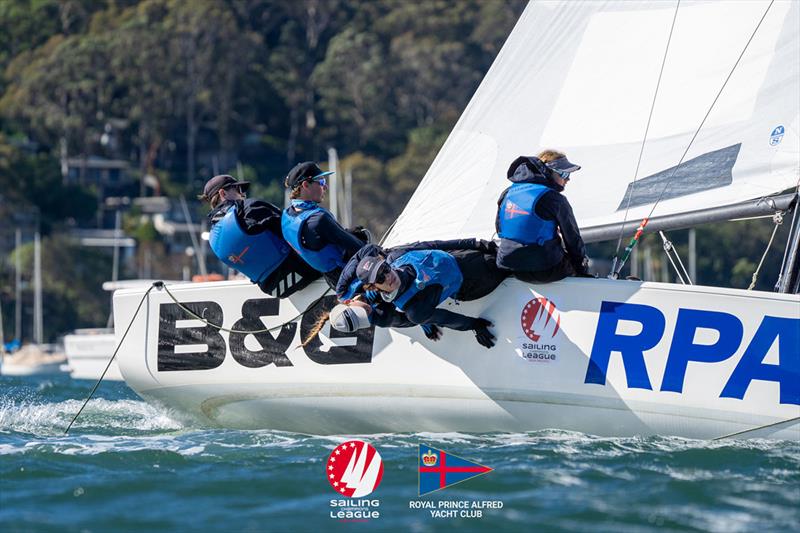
x=683 y=350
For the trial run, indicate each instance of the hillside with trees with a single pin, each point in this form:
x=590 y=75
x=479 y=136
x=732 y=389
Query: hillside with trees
x=182 y=90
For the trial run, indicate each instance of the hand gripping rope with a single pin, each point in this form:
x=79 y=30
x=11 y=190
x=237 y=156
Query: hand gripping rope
x=161 y=286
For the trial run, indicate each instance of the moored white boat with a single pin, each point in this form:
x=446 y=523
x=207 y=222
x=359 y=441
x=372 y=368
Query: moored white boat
x=88 y=352
x=34 y=360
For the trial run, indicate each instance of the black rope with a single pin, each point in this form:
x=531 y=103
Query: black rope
x=161 y=285
x=94 y=389
x=246 y=332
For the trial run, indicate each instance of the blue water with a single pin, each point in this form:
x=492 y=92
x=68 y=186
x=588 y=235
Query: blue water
x=129 y=466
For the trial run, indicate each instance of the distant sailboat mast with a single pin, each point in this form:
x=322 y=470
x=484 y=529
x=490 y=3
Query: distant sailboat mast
x=37 y=288
x=17 y=286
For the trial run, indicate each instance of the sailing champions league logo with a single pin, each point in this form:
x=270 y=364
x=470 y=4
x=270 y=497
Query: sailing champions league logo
x=540 y=322
x=354 y=469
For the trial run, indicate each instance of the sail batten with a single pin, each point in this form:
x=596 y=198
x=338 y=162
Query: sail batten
x=580 y=77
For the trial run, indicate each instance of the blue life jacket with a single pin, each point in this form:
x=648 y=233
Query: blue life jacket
x=432 y=267
x=255 y=256
x=328 y=258
x=518 y=219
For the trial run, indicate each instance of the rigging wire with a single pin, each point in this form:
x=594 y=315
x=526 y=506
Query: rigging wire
x=161 y=285
x=646 y=131
x=778 y=219
x=94 y=389
x=691 y=141
x=765 y=426
x=669 y=249
x=793 y=206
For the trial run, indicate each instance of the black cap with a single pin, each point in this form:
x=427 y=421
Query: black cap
x=562 y=163
x=369 y=268
x=303 y=171
x=220 y=182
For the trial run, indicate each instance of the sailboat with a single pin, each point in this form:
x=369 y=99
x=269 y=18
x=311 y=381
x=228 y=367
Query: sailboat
x=600 y=356
x=35 y=359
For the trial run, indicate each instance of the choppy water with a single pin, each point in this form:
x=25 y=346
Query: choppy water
x=129 y=466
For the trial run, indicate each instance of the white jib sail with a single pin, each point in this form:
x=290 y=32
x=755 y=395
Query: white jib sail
x=581 y=77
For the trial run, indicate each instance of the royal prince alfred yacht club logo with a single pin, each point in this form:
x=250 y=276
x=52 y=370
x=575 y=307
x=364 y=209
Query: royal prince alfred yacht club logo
x=540 y=322
x=439 y=470
x=354 y=469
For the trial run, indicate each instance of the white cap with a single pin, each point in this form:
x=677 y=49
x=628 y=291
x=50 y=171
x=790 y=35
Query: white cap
x=349 y=318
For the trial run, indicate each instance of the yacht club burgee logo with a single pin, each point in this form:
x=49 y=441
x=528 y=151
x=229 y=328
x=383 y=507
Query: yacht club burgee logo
x=439 y=470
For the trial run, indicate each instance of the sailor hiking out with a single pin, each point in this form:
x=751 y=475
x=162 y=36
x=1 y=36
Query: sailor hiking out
x=417 y=278
x=246 y=236
x=311 y=230
x=539 y=237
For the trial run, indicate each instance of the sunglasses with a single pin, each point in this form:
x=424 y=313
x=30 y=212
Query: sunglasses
x=563 y=173
x=380 y=279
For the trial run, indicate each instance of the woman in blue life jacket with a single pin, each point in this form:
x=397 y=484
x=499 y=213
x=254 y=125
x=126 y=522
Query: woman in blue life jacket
x=246 y=235
x=311 y=230
x=417 y=278
x=539 y=238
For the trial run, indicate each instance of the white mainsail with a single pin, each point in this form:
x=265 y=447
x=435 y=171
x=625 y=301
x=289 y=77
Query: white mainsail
x=582 y=76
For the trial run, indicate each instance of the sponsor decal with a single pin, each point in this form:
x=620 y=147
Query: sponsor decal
x=438 y=470
x=540 y=322
x=185 y=343
x=780 y=331
x=776 y=136
x=354 y=469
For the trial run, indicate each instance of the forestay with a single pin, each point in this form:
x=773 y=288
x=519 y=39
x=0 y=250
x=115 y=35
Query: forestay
x=582 y=76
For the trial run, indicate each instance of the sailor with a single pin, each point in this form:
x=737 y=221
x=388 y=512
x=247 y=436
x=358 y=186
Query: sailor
x=418 y=278
x=246 y=236
x=539 y=238
x=311 y=230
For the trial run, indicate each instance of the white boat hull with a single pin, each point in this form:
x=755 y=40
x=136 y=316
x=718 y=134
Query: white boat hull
x=396 y=380
x=88 y=355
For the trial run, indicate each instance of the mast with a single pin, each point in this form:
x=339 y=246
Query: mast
x=347 y=216
x=333 y=188
x=37 y=288
x=201 y=260
x=789 y=278
x=18 y=286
